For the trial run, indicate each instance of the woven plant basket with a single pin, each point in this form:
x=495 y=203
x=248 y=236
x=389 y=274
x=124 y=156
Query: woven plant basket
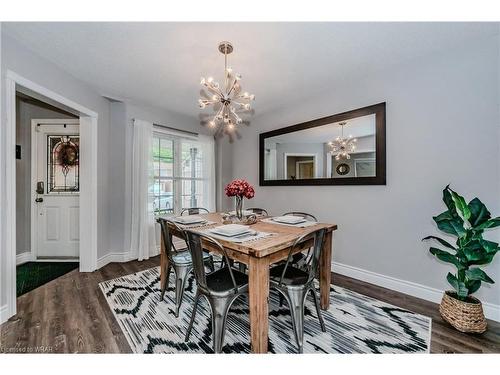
x=464 y=316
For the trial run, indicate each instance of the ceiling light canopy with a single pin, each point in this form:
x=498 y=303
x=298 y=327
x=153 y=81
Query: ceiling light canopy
x=227 y=101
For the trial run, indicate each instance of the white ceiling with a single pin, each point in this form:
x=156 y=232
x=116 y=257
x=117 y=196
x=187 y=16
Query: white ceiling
x=160 y=63
x=357 y=127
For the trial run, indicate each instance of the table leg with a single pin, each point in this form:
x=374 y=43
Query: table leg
x=325 y=272
x=163 y=265
x=259 y=304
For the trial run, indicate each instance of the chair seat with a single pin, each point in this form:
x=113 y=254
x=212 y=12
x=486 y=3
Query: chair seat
x=184 y=257
x=220 y=281
x=293 y=275
x=298 y=257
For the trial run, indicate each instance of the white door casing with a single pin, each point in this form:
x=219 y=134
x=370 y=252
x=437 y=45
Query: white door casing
x=55 y=218
x=88 y=186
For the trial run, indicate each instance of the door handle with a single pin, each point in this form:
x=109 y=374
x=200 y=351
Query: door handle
x=39 y=191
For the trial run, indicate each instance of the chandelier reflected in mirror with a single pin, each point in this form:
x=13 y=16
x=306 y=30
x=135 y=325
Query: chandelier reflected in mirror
x=228 y=101
x=343 y=146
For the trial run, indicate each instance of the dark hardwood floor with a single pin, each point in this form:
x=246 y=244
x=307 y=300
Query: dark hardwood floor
x=70 y=315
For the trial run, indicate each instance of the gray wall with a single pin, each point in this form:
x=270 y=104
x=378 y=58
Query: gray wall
x=25 y=113
x=441 y=110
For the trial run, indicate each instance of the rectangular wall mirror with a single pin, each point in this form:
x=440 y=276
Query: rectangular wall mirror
x=344 y=149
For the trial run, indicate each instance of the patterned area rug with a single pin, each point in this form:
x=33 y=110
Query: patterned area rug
x=355 y=323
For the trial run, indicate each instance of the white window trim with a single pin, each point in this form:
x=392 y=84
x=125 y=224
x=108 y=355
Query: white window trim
x=177 y=177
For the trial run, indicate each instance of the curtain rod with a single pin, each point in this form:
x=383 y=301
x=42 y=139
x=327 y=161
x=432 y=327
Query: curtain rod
x=175 y=129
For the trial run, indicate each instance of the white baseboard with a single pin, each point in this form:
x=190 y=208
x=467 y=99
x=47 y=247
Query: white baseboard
x=126 y=256
x=113 y=258
x=491 y=311
x=24 y=258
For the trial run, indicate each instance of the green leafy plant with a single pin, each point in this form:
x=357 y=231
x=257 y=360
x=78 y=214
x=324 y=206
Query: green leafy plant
x=467 y=222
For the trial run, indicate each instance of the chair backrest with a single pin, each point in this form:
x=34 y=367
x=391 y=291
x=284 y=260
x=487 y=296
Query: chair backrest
x=305 y=215
x=258 y=211
x=170 y=249
x=312 y=263
x=194 y=211
x=195 y=241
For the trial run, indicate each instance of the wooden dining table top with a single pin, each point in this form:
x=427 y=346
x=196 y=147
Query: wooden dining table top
x=283 y=235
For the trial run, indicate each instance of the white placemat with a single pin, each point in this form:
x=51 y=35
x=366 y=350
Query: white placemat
x=238 y=239
x=299 y=225
x=194 y=225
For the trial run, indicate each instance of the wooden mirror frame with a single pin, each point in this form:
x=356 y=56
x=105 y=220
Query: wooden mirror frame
x=380 y=158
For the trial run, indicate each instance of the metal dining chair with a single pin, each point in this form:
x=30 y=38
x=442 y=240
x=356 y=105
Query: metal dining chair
x=294 y=283
x=180 y=261
x=258 y=211
x=220 y=288
x=301 y=258
x=194 y=211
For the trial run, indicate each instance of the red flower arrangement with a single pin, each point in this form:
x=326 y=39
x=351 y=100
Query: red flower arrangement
x=239 y=188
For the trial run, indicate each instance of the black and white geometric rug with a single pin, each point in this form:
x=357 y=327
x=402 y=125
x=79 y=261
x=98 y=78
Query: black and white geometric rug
x=355 y=323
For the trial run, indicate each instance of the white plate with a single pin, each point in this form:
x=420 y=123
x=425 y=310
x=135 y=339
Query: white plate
x=289 y=219
x=231 y=230
x=188 y=219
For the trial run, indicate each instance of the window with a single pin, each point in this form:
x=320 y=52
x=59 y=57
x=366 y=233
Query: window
x=182 y=174
x=62 y=164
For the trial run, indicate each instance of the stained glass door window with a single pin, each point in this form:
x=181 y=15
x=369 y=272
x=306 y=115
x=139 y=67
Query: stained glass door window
x=63 y=170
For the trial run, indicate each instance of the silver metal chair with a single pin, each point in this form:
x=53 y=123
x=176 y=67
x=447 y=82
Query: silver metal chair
x=194 y=211
x=220 y=288
x=301 y=258
x=180 y=261
x=258 y=211
x=294 y=283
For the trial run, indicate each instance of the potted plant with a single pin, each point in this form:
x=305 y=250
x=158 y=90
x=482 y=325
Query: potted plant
x=467 y=222
x=239 y=189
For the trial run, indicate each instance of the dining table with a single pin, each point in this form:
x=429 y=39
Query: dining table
x=259 y=255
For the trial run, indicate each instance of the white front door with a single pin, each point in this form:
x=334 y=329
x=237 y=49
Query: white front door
x=56 y=189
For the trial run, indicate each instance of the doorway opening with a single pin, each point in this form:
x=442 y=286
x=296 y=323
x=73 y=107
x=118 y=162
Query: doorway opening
x=86 y=215
x=47 y=186
x=299 y=166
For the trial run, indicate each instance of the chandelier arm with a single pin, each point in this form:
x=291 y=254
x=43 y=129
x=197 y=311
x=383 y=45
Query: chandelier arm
x=215 y=91
x=235 y=116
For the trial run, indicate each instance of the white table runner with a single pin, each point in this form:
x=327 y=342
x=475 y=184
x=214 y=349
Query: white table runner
x=238 y=239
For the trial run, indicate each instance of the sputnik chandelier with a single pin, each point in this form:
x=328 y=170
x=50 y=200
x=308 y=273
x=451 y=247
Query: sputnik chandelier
x=227 y=101
x=343 y=146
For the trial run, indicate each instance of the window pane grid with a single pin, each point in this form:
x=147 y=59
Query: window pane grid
x=177 y=173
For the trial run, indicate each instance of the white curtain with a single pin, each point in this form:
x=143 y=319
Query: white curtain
x=142 y=241
x=207 y=145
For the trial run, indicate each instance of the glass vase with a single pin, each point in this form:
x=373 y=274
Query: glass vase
x=238 y=203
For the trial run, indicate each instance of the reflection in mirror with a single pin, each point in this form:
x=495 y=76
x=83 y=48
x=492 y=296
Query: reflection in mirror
x=336 y=150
